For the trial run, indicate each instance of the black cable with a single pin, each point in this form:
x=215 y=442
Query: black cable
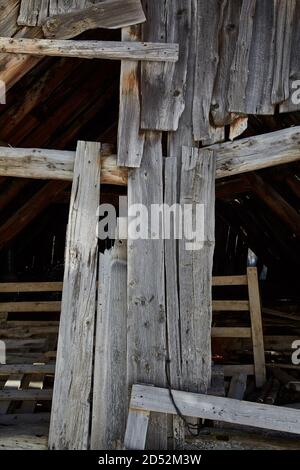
x=192 y=428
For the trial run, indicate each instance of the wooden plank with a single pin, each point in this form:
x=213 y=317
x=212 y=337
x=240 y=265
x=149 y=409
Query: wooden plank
x=228 y=35
x=256 y=327
x=130 y=138
x=163 y=85
x=110 y=406
x=146 y=292
x=111 y=14
x=56 y=164
x=195 y=271
x=73 y=383
x=26 y=395
x=153 y=399
x=228 y=281
x=6 y=287
x=12 y=369
x=238 y=385
x=252 y=153
x=254 y=54
x=136 y=430
x=294 y=70
x=22 y=307
x=30 y=11
x=209 y=15
x=231 y=332
x=113 y=50
x=230 y=305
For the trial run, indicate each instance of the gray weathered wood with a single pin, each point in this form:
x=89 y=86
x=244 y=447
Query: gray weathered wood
x=195 y=272
x=146 y=292
x=245 y=155
x=130 y=138
x=277 y=418
x=294 y=71
x=210 y=18
x=110 y=404
x=163 y=85
x=35 y=12
x=228 y=37
x=111 y=14
x=113 y=50
x=238 y=385
x=27 y=369
x=136 y=430
x=55 y=164
x=70 y=418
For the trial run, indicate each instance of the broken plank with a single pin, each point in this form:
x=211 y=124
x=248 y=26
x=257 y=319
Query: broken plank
x=73 y=383
x=113 y=50
x=110 y=403
x=111 y=14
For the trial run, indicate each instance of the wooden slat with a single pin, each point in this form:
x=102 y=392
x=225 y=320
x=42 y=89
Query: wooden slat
x=130 y=138
x=21 y=307
x=163 y=85
x=25 y=395
x=231 y=332
x=30 y=287
x=208 y=407
x=256 y=327
x=146 y=293
x=136 y=430
x=229 y=281
x=236 y=369
x=73 y=383
x=27 y=369
x=110 y=404
x=209 y=18
x=230 y=305
x=195 y=272
x=112 y=50
x=110 y=14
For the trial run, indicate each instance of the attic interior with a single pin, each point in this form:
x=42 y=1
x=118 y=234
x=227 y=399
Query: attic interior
x=63 y=100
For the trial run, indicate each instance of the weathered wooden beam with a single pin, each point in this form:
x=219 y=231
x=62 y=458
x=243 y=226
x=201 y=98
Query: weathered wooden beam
x=113 y=50
x=56 y=164
x=255 y=153
x=73 y=384
x=153 y=399
x=21 y=307
x=25 y=395
x=110 y=14
x=30 y=287
x=27 y=369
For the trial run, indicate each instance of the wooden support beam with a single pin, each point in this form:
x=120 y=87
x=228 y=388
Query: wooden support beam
x=254 y=153
x=113 y=50
x=73 y=383
x=13 y=369
x=111 y=14
x=22 y=307
x=56 y=164
x=230 y=305
x=25 y=395
x=275 y=202
x=30 y=287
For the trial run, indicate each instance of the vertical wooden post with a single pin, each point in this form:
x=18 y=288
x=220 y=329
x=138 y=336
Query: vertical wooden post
x=256 y=326
x=146 y=288
x=110 y=404
x=70 y=417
